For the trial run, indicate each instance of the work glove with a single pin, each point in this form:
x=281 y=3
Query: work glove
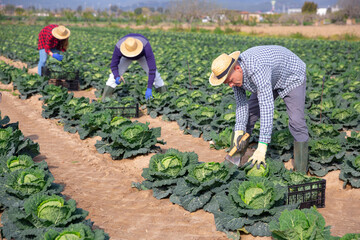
x=259 y=155
x=148 y=93
x=58 y=56
x=117 y=80
x=237 y=136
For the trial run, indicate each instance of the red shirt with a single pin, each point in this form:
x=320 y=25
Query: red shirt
x=47 y=41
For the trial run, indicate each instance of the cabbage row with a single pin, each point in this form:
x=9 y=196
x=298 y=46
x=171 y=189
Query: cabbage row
x=121 y=138
x=242 y=200
x=32 y=204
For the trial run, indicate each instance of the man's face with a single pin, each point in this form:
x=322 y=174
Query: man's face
x=235 y=77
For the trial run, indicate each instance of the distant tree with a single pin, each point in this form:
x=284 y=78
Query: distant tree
x=309 y=7
x=49 y=18
x=350 y=7
x=160 y=10
x=152 y=9
x=114 y=8
x=9 y=8
x=31 y=8
x=138 y=11
x=69 y=14
x=189 y=10
x=79 y=9
x=88 y=15
x=19 y=11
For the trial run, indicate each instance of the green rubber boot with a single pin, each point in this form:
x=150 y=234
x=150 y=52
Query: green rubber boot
x=301 y=156
x=108 y=91
x=161 y=89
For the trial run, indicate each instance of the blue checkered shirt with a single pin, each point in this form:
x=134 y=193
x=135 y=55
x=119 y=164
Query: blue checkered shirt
x=266 y=69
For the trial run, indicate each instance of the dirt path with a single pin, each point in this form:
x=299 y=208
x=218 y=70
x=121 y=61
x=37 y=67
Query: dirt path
x=102 y=186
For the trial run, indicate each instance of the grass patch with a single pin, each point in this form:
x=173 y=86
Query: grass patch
x=5 y=90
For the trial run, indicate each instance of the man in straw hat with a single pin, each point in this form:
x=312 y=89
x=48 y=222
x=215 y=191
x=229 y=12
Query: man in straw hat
x=52 y=39
x=267 y=72
x=130 y=48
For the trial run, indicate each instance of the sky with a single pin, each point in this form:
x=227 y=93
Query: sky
x=247 y=5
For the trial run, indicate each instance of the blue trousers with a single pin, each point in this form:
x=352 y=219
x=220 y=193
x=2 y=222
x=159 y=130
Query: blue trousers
x=43 y=58
x=295 y=105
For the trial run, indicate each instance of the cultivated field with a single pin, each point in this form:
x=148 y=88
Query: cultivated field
x=103 y=186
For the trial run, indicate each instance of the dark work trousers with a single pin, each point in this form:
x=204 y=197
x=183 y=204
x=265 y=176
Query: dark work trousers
x=295 y=104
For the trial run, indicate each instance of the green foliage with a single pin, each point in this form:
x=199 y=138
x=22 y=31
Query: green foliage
x=222 y=140
x=29 y=85
x=207 y=171
x=165 y=169
x=40 y=212
x=130 y=140
x=14 y=163
x=258 y=172
x=255 y=194
x=309 y=7
x=350 y=171
x=13 y=142
x=300 y=224
x=75 y=231
x=203 y=182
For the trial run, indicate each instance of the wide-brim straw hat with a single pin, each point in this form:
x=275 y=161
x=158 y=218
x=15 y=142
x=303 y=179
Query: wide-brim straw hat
x=131 y=47
x=221 y=67
x=61 y=32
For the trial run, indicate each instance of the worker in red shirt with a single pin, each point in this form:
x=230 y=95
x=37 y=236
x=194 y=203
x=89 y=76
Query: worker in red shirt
x=52 y=39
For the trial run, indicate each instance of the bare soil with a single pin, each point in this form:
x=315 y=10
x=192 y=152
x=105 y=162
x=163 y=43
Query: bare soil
x=102 y=186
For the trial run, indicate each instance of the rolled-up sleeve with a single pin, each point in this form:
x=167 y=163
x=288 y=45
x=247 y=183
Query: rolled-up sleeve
x=242 y=108
x=262 y=80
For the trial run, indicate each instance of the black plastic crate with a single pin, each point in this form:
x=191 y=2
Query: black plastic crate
x=72 y=85
x=128 y=112
x=70 y=76
x=308 y=194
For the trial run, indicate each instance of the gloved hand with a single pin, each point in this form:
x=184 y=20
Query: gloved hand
x=259 y=155
x=58 y=56
x=117 y=80
x=148 y=93
x=237 y=136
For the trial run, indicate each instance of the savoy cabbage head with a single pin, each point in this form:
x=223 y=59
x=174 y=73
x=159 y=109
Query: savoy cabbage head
x=22 y=183
x=165 y=170
x=203 y=181
x=350 y=171
x=130 y=140
x=300 y=224
x=41 y=212
x=249 y=206
x=77 y=231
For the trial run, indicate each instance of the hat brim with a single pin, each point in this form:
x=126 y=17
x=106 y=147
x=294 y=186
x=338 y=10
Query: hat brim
x=57 y=36
x=214 y=81
x=135 y=53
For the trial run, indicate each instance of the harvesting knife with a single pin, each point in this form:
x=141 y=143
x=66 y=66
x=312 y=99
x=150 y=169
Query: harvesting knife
x=236 y=160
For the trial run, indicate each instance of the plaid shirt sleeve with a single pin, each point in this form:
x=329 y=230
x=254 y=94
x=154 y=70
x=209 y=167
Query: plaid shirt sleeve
x=262 y=80
x=242 y=109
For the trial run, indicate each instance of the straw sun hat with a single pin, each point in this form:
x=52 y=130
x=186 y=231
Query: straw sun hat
x=220 y=67
x=61 y=32
x=131 y=47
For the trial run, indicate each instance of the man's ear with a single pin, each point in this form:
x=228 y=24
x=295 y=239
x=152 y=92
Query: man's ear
x=237 y=67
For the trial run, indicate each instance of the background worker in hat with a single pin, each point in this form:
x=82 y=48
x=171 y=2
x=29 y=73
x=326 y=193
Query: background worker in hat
x=267 y=72
x=130 y=48
x=52 y=39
